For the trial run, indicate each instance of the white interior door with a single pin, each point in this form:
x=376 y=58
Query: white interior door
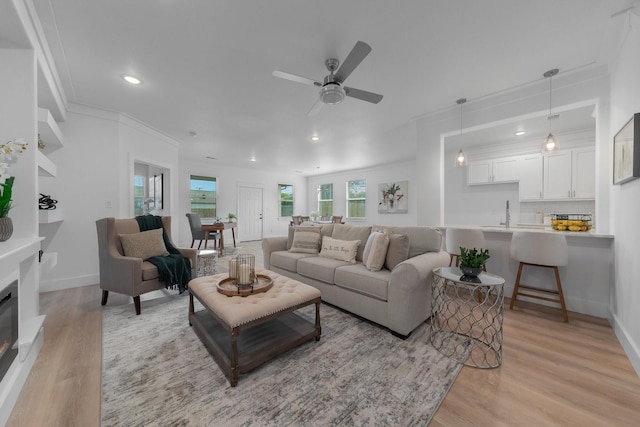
x=249 y=213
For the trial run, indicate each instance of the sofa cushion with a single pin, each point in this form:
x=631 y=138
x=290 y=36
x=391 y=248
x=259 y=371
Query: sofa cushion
x=358 y=279
x=287 y=260
x=144 y=245
x=352 y=232
x=319 y=268
x=342 y=250
x=375 y=251
x=398 y=250
x=325 y=230
x=306 y=240
x=421 y=239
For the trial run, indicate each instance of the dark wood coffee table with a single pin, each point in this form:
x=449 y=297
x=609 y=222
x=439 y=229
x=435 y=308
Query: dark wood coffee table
x=242 y=333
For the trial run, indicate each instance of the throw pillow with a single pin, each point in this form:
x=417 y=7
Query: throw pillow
x=305 y=240
x=144 y=245
x=398 y=250
x=375 y=251
x=342 y=250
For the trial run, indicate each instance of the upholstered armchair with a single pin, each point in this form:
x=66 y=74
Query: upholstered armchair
x=128 y=275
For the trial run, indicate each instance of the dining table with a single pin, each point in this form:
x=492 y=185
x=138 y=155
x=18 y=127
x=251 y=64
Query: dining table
x=220 y=227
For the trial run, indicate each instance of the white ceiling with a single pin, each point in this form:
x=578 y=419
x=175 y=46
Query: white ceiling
x=206 y=67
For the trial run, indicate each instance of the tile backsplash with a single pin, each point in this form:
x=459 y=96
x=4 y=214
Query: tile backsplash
x=529 y=210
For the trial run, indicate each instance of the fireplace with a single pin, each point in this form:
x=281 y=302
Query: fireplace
x=8 y=326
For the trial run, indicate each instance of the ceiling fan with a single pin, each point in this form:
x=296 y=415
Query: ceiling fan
x=331 y=89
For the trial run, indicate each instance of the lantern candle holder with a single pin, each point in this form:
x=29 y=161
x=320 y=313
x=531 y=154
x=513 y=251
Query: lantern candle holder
x=245 y=270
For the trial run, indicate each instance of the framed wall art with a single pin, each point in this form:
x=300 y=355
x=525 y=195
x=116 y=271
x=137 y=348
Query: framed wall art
x=393 y=197
x=626 y=152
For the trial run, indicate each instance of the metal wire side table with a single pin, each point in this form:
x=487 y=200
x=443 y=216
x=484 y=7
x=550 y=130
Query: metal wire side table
x=466 y=317
x=207 y=263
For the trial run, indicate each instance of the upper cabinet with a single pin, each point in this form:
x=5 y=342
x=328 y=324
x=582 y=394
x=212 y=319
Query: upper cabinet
x=530 y=187
x=570 y=174
x=493 y=171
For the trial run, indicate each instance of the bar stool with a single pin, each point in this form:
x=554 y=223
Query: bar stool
x=546 y=250
x=469 y=239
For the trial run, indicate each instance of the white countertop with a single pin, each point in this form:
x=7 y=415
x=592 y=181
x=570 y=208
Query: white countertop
x=534 y=228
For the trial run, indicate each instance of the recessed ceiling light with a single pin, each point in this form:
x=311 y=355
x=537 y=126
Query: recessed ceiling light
x=131 y=79
x=315 y=138
x=253 y=158
x=520 y=133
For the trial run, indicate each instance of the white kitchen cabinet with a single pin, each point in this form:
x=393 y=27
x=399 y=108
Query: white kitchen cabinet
x=493 y=171
x=583 y=176
x=530 y=170
x=569 y=174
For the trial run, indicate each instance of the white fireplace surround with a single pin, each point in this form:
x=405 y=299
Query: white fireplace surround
x=19 y=261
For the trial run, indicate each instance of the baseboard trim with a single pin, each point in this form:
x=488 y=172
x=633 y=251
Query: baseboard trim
x=69 y=282
x=630 y=348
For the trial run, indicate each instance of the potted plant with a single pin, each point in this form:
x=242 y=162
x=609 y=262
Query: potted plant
x=314 y=215
x=6 y=185
x=231 y=216
x=472 y=260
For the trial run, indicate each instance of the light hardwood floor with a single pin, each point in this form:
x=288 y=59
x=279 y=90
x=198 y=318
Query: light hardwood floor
x=553 y=374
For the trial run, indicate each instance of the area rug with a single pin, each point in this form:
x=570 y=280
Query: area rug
x=156 y=372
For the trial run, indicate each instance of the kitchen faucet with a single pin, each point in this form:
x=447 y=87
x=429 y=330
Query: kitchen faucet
x=507 y=216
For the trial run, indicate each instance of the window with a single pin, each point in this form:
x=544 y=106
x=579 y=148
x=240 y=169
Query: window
x=285 y=203
x=138 y=194
x=325 y=200
x=203 y=196
x=356 y=198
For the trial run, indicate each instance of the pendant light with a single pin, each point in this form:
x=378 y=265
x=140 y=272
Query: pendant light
x=461 y=158
x=550 y=143
x=319 y=187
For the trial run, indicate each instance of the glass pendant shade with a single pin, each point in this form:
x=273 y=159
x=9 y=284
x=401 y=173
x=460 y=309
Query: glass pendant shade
x=461 y=159
x=550 y=144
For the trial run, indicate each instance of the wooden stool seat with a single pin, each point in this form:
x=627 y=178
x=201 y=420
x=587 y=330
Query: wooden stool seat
x=544 y=250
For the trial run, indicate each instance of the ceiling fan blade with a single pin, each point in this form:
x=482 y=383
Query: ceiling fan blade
x=355 y=57
x=295 y=78
x=363 y=95
x=316 y=107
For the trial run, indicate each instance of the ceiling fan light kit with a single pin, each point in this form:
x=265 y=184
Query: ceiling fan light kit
x=332 y=90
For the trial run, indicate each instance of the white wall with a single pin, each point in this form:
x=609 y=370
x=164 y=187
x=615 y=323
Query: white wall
x=625 y=199
x=403 y=171
x=95 y=180
x=228 y=180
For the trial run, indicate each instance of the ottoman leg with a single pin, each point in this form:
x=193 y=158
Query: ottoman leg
x=318 y=327
x=233 y=377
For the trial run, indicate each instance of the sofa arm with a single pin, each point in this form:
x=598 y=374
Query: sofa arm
x=409 y=294
x=272 y=244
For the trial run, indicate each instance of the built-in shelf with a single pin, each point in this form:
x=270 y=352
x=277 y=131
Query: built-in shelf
x=49 y=131
x=49 y=216
x=45 y=166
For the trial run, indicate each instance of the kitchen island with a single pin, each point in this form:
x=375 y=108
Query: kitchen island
x=586 y=281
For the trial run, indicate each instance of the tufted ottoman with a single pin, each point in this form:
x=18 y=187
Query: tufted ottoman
x=267 y=321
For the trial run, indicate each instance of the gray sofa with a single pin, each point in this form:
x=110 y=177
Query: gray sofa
x=399 y=299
